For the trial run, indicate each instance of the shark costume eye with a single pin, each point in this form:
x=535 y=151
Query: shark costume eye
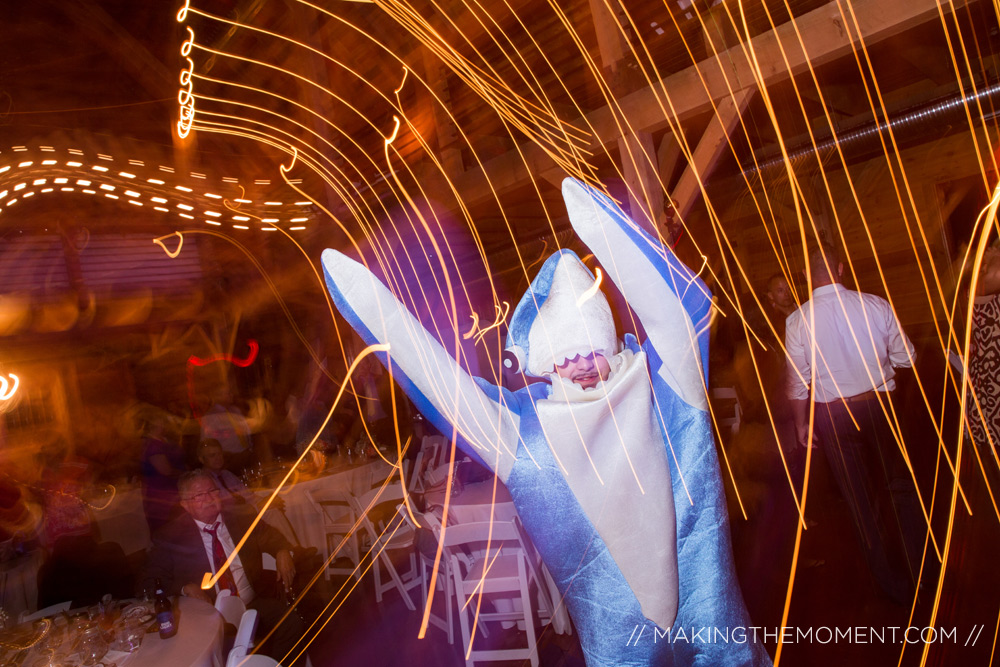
x=513 y=359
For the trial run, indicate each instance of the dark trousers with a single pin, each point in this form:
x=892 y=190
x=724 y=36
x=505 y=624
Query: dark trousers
x=286 y=632
x=871 y=475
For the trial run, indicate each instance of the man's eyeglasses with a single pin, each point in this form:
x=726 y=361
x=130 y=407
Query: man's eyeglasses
x=202 y=497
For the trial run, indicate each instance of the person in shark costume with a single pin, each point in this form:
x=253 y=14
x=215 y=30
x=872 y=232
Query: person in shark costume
x=610 y=464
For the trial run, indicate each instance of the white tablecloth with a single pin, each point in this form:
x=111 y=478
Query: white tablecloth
x=198 y=642
x=305 y=522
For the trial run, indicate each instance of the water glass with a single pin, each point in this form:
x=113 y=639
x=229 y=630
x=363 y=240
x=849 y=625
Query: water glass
x=92 y=646
x=130 y=636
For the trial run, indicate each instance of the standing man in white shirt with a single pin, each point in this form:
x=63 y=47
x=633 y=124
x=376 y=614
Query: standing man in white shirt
x=844 y=347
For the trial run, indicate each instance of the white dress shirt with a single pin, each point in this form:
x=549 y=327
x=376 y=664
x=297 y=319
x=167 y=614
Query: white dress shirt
x=858 y=343
x=242 y=583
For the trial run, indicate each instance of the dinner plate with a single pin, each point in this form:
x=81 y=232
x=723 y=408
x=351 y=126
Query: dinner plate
x=136 y=611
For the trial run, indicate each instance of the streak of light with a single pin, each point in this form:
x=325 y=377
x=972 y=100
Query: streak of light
x=180 y=244
x=8 y=388
x=501 y=317
x=209 y=580
x=475 y=326
x=590 y=291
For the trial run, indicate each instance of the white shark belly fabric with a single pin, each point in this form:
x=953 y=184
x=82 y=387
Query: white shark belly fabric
x=615 y=461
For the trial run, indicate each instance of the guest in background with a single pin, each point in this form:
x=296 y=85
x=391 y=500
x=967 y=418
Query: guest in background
x=162 y=464
x=780 y=303
x=77 y=568
x=225 y=423
x=860 y=343
x=213 y=460
x=233 y=490
x=983 y=402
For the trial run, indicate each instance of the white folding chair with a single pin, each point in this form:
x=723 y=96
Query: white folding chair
x=244 y=637
x=247 y=629
x=505 y=565
x=338 y=521
x=231 y=607
x=267 y=562
x=398 y=537
x=533 y=561
x=51 y=610
x=436 y=448
x=239 y=658
x=400 y=473
x=444 y=579
x=415 y=483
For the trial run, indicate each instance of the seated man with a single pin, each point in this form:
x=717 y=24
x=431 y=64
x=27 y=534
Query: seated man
x=202 y=538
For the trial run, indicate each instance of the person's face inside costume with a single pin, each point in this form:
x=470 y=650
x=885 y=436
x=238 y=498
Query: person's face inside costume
x=201 y=499
x=587 y=371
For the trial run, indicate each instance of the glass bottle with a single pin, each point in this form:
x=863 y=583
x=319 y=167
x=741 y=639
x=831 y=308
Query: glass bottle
x=164 y=613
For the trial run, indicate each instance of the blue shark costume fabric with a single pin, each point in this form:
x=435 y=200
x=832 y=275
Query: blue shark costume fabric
x=617 y=485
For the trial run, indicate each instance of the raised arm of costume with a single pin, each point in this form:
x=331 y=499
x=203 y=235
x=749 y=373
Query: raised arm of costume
x=441 y=389
x=672 y=303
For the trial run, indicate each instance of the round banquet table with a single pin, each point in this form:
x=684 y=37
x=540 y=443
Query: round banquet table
x=304 y=522
x=198 y=641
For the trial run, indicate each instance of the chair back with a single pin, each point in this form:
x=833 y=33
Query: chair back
x=247 y=630
x=436 y=447
x=231 y=607
x=51 y=610
x=338 y=521
x=335 y=511
x=500 y=569
x=236 y=656
x=239 y=658
x=364 y=504
x=415 y=482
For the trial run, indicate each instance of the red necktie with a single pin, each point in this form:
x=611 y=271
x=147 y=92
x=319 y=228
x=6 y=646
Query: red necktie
x=226 y=581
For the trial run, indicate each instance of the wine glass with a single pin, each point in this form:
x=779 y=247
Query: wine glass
x=92 y=646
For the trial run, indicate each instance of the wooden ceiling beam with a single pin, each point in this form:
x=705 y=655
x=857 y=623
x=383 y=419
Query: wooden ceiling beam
x=710 y=148
x=694 y=89
x=636 y=151
x=133 y=56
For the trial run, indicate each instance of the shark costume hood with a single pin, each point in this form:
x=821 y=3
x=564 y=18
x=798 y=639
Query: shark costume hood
x=563 y=314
